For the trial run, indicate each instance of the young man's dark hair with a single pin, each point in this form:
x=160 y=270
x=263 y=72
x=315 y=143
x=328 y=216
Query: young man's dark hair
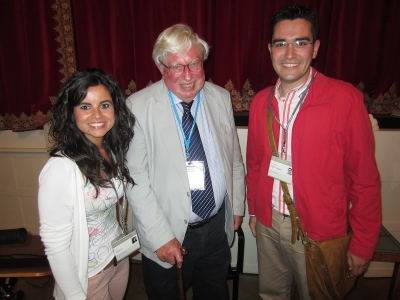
x=296 y=11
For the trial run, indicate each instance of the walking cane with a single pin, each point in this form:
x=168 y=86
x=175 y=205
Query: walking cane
x=181 y=288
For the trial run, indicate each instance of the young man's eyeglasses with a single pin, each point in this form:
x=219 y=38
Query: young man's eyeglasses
x=177 y=70
x=281 y=45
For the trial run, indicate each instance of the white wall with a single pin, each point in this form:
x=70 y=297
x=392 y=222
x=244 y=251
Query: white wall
x=22 y=156
x=250 y=249
x=28 y=140
x=387 y=153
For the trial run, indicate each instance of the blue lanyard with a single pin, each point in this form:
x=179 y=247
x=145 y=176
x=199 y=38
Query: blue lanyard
x=185 y=140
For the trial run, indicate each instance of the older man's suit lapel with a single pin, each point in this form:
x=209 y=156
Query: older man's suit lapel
x=213 y=107
x=165 y=122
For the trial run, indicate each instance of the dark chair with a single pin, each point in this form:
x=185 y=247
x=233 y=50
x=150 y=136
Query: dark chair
x=234 y=272
x=388 y=250
x=14 y=266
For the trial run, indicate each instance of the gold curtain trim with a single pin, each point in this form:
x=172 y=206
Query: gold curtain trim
x=383 y=104
x=23 y=122
x=131 y=88
x=240 y=102
x=65 y=38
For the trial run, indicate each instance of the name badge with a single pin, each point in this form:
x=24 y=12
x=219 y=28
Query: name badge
x=280 y=169
x=195 y=171
x=125 y=245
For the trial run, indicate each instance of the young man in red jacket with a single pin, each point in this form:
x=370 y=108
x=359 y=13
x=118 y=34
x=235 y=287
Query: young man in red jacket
x=322 y=130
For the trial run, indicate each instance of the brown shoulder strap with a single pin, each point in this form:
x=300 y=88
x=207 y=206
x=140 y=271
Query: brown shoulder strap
x=294 y=217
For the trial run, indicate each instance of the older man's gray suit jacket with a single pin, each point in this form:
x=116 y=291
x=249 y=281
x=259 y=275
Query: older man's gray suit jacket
x=161 y=199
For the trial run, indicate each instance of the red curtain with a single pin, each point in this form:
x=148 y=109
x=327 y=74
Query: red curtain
x=29 y=68
x=363 y=42
x=360 y=42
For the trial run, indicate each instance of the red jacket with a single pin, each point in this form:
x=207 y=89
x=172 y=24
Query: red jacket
x=333 y=163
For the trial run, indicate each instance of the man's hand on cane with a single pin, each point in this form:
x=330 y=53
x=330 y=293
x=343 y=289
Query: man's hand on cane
x=171 y=253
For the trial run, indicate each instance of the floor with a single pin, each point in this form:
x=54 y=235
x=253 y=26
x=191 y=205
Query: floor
x=367 y=288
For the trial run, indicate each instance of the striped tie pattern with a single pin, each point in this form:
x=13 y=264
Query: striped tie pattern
x=202 y=200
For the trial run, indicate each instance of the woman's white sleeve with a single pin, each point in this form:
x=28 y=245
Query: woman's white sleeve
x=57 y=195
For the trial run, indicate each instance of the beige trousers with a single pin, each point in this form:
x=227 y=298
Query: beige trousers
x=110 y=283
x=279 y=260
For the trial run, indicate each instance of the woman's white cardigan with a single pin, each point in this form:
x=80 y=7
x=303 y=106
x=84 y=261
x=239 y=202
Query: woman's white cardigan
x=63 y=227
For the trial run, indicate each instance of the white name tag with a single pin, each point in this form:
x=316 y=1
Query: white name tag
x=280 y=169
x=195 y=171
x=125 y=245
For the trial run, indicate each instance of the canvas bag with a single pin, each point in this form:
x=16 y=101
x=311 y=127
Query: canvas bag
x=327 y=269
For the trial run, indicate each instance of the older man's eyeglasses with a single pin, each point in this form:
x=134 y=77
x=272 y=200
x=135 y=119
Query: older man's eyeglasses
x=193 y=67
x=280 y=45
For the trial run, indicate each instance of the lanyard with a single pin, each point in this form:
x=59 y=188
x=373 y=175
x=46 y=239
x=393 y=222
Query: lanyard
x=302 y=97
x=121 y=210
x=185 y=140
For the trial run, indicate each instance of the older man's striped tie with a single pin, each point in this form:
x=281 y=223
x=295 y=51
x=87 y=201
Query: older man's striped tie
x=202 y=200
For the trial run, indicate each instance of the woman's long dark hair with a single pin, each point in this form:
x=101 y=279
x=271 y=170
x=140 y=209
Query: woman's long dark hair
x=72 y=142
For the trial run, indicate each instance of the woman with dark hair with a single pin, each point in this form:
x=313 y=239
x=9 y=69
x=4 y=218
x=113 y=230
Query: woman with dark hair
x=81 y=184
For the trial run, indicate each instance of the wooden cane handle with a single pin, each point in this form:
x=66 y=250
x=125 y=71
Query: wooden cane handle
x=184 y=251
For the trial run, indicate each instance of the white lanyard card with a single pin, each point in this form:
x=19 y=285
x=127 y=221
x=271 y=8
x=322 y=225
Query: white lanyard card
x=125 y=245
x=280 y=169
x=195 y=171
